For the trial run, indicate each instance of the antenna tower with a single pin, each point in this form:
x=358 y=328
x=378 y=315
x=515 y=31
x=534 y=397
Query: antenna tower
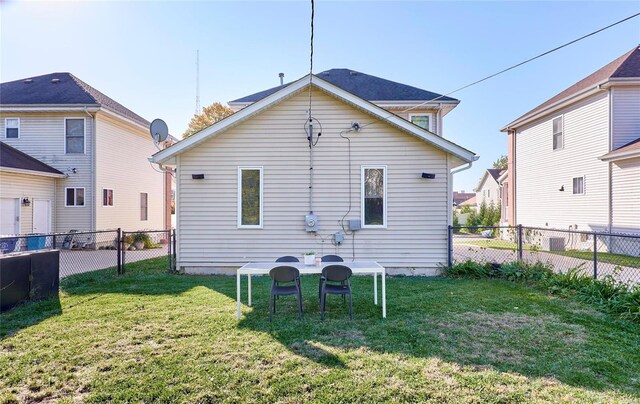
x=197 y=81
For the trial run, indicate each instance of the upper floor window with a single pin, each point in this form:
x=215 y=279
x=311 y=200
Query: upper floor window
x=74 y=135
x=12 y=128
x=578 y=185
x=558 y=133
x=423 y=121
x=144 y=206
x=107 y=197
x=74 y=197
x=374 y=196
x=250 y=197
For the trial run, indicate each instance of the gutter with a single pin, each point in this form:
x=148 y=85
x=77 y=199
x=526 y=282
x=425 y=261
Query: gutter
x=31 y=172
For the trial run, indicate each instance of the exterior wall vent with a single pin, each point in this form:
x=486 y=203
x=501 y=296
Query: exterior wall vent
x=55 y=81
x=28 y=80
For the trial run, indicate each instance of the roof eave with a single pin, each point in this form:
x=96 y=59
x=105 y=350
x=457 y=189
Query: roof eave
x=31 y=172
x=620 y=156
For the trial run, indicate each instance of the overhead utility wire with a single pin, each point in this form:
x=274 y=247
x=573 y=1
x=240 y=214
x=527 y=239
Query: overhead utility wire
x=310 y=119
x=519 y=64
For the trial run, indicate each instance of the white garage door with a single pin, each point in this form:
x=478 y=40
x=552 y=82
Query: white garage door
x=9 y=217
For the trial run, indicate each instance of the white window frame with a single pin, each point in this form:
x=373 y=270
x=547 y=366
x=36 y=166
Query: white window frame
x=384 y=197
x=75 y=197
x=430 y=116
x=239 y=198
x=553 y=134
x=6 y=127
x=584 y=188
x=113 y=199
x=140 y=206
x=84 y=134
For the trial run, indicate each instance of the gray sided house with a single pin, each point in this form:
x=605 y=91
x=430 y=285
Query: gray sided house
x=77 y=160
x=378 y=185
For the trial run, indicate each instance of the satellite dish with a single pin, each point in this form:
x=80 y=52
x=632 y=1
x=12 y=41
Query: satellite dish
x=159 y=130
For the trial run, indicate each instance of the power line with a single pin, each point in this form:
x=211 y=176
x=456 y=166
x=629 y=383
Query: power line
x=517 y=65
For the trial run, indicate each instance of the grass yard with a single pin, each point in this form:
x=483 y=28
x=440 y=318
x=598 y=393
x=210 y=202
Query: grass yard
x=150 y=336
x=616 y=259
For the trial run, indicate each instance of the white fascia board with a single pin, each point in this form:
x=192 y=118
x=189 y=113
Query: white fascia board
x=622 y=156
x=437 y=141
x=503 y=177
x=49 y=108
x=482 y=180
x=553 y=107
x=31 y=172
x=116 y=115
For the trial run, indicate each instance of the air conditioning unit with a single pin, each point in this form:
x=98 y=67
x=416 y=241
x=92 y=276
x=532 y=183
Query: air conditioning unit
x=553 y=244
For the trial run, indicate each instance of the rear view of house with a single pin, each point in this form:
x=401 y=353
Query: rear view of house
x=310 y=166
x=77 y=160
x=574 y=160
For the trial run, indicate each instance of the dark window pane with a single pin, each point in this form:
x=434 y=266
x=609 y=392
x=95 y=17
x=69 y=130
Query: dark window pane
x=374 y=196
x=250 y=197
x=71 y=200
x=12 y=133
x=143 y=206
x=75 y=136
x=79 y=197
x=421 y=120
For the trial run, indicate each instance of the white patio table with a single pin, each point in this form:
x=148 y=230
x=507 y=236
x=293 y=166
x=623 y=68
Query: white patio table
x=357 y=267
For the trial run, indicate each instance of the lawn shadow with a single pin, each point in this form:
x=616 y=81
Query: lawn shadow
x=28 y=313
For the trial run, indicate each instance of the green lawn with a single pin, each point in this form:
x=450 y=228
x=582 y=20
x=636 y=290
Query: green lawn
x=149 y=336
x=617 y=259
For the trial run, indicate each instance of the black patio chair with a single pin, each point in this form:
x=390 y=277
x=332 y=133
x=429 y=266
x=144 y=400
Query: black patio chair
x=284 y=274
x=287 y=258
x=331 y=258
x=335 y=281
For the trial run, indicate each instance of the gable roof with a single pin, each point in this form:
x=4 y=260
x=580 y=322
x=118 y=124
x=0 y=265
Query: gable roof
x=167 y=156
x=365 y=86
x=61 y=89
x=626 y=66
x=459 y=197
x=629 y=150
x=490 y=172
x=15 y=160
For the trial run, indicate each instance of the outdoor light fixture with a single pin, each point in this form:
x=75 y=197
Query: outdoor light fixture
x=428 y=175
x=561 y=188
x=26 y=201
x=197 y=176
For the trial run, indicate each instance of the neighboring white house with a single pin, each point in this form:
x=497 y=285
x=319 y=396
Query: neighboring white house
x=98 y=148
x=246 y=184
x=574 y=161
x=488 y=190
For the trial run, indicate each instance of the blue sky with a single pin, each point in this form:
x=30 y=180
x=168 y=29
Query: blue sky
x=143 y=53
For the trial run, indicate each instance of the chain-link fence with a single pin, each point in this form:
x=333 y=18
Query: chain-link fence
x=596 y=254
x=87 y=252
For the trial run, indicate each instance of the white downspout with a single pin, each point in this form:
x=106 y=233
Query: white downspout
x=94 y=192
x=610 y=164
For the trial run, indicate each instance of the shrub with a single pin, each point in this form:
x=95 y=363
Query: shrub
x=144 y=238
x=469 y=269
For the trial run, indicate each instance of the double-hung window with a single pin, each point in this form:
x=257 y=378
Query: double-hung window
x=107 y=197
x=74 y=196
x=144 y=206
x=558 y=133
x=12 y=128
x=74 y=135
x=578 y=185
x=250 y=196
x=374 y=196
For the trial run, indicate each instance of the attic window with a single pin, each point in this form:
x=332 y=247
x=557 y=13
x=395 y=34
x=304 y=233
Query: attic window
x=421 y=120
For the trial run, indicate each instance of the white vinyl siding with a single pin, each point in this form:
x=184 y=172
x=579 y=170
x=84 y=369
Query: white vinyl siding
x=121 y=164
x=74 y=135
x=74 y=197
x=12 y=128
x=625 y=115
x=373 y=192
x=34 y=187
x=417 y=210
x=250 y=197
x=42 y=137
x=626 y=195
x=540 y=174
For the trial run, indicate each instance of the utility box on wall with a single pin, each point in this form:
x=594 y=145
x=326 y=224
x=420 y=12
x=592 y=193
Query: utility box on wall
x=311 y=222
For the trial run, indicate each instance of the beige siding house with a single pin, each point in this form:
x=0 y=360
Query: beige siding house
x=574 y=161
x=488 y=190
x=99 y=147
x=246 y=183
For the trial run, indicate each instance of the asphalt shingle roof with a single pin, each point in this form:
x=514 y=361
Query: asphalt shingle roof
x=633 y=146
x=61 y=89
x=11 y=157
x=626 y=66
x=365 y=86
